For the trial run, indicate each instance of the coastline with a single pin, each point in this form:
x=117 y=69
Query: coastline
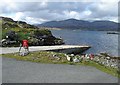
x=100 y=41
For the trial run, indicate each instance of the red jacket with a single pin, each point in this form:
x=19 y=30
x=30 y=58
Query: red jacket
x=25 y=43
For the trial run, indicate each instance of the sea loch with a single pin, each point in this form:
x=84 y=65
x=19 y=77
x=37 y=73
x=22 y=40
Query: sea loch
x=99 y=41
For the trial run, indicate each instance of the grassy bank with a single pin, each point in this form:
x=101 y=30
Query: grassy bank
x=48 y=57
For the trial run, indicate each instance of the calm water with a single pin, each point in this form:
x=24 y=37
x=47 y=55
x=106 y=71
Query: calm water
x=99 y=40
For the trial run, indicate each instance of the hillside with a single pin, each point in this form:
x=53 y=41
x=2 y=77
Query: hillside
x=13 y=32
x=82 y=25
x=10 y=23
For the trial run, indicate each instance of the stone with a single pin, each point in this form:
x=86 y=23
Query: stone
x=23 y=53
x=76 y=60
x=68 y=58
x=72 y=55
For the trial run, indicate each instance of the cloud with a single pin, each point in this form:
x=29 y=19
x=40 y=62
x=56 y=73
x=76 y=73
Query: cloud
x=104 y=9
x=39 y=12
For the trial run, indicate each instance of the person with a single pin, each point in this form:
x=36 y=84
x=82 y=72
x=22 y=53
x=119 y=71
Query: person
x=25 y=45
x=91 y=56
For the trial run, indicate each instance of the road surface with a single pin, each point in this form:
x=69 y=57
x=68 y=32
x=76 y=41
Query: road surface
x=40 y=48
x=14 y=71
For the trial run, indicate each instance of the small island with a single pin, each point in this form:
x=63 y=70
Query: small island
x=113 y=32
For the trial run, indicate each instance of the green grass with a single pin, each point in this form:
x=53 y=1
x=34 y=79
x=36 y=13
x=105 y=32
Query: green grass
x=24 y=33
x=42 y=57
x=47 y=57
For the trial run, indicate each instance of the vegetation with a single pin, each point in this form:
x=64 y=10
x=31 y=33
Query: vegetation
x=41 y=56
x=19 y=30
x=60 y=58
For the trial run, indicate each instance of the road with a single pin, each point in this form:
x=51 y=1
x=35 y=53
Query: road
x=40 y=48
x=14 y=71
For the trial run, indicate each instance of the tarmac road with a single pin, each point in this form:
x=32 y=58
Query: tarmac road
x=14 y=71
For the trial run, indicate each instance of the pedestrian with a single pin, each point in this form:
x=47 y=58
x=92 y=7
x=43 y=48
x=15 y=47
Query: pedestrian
x=25 y=45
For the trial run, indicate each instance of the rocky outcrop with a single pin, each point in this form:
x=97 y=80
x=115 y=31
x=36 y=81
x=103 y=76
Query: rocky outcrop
x=10 y=23
x=13 y=32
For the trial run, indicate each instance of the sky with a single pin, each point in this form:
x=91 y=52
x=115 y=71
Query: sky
x=40 y=11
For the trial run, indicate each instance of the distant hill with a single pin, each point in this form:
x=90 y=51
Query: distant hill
x=10 y=23
x=81 y=24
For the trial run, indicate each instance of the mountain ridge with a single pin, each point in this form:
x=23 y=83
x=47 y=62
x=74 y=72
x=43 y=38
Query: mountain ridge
x=101 y=25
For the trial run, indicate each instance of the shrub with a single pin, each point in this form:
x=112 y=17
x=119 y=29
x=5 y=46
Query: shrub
x=42 y=32
x=12 y=35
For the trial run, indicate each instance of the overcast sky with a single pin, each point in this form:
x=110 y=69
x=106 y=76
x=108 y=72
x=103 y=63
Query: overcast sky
x=39 y=12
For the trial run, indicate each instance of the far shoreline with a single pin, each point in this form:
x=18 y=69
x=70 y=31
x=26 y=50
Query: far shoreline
x=55 y=28
x=50 y=28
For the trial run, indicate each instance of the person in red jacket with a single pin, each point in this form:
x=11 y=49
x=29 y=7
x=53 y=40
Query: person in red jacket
x=24 y=45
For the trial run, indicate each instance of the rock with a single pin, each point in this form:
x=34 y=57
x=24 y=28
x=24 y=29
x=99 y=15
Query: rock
x=68 y=58
x=3 y=40
x=23 y=53
x=76 y=60
x=72 y=54
x=56 y=57
x=108 y=58
x=36 y=36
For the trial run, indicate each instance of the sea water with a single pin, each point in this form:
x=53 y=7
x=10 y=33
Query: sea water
x=99 y=41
